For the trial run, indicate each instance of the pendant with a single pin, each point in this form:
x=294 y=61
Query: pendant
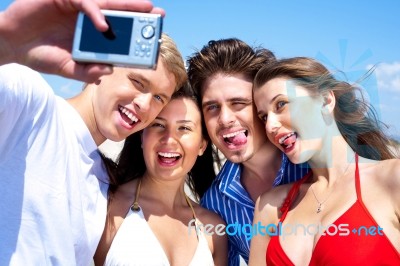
x=319 y=208
x=135 y=207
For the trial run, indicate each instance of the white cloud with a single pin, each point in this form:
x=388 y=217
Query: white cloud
x=388 y=76
x=388 y=82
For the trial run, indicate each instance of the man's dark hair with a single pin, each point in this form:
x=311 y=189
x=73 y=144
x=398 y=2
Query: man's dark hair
x=226 y=56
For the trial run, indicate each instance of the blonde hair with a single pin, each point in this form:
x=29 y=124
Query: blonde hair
x=173 y=60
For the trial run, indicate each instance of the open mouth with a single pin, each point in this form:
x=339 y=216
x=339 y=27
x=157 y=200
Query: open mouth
x=127 y=115
x=288 y=140
x=169 y=157
x=236 y=138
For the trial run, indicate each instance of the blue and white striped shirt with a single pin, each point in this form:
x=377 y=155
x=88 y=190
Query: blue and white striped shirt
x=228 y=198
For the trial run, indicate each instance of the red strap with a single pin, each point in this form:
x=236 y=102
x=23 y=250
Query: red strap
x=294 y=191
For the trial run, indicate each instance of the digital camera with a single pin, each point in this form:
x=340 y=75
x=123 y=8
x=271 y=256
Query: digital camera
x=132 y=40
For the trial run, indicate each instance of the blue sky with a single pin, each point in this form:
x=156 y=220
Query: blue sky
x=350 y=36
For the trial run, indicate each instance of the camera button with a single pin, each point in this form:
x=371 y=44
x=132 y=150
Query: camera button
x=143 y=47
x=148 y=31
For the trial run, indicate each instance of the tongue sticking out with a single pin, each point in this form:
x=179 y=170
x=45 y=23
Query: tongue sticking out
x=290 y=140
x=239 y=139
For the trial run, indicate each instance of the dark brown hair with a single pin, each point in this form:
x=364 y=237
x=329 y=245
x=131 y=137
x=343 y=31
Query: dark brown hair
x=356 y=118
x=227 y=56
x=130 y=163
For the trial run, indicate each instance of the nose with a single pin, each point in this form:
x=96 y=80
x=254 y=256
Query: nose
x=167 y=137
x=272 y=124
x=142 y=101
x=226 y=116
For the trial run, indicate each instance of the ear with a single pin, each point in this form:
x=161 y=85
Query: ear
x=329 y=102
x=203 y=147
x=327 y=107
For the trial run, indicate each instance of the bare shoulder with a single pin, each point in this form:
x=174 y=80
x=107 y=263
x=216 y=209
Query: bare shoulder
x=389 y=173
x=206 y=216
x=382 y=177
x=268 y=204
x=386 y=172
x=213 y=226
x=392 y=166
x=274 y=197
x=384 y=181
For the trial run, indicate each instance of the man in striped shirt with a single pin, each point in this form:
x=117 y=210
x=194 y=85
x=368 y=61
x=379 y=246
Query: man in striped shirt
x=222 y=73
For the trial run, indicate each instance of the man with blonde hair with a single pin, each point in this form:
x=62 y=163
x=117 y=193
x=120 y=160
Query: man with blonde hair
x=53 y=184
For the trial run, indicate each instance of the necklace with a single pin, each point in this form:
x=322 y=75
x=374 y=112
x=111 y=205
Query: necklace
x=136 y=207
x=319 y=207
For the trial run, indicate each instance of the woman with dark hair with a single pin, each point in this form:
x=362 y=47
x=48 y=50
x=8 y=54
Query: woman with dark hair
x=151 y=220
x=347 y=210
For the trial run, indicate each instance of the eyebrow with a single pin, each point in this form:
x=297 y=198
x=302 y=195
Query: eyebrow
x=235 y=99
x=274 y=98
x=270 y=102
x=183 y=121
x=243 y=99
x=147 y=83
x=208 y=103
x=186 y=122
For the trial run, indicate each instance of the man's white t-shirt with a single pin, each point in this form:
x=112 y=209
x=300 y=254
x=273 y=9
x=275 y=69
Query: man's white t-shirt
x=53 y=185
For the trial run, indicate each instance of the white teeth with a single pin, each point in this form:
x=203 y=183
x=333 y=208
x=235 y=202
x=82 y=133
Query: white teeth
x=128 y=114
x=282 y=139
x=233 y=134
x=169 y=154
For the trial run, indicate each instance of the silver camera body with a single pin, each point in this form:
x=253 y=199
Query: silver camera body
x=132 y=40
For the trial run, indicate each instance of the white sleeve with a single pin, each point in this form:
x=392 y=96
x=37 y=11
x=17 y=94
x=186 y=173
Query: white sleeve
x=23 y=94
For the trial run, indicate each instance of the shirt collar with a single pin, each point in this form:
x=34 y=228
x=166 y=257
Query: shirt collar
x=232 y=187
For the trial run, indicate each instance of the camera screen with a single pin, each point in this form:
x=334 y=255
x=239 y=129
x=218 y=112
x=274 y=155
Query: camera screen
x=117 y=40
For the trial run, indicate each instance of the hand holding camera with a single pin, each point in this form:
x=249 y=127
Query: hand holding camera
x=39 y=34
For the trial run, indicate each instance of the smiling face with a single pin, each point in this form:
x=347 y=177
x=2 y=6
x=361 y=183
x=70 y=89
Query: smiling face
x=293 y=118
x=230 y=116
x=129 y=99
x=172 y=142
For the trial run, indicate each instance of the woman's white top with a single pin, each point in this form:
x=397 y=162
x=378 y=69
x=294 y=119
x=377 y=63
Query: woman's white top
x=136 y=244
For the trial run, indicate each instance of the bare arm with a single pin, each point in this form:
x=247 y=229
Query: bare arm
x=39 y=33
x=266 y=214
x=260 y=240
x=220 y=254
x=394 y=185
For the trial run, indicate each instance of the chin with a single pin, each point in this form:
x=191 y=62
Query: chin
x=239 y=157
x=297 y=158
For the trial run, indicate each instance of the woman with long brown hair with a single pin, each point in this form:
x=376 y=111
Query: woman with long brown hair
x=346 y=211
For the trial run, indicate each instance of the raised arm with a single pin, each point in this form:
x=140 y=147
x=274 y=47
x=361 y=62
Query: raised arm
x=39 y=33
